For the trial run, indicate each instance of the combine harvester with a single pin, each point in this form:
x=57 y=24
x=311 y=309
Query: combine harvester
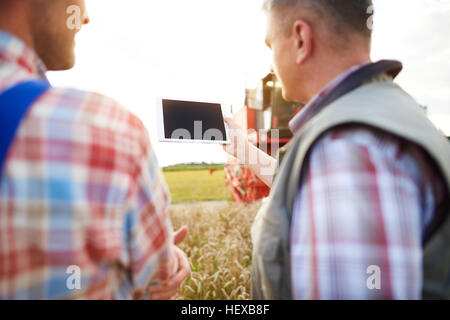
x=264 y=110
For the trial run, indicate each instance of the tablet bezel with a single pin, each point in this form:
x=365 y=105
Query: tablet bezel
x=160 y=120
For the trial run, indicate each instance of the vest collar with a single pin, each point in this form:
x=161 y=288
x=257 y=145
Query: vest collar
x=343 y=84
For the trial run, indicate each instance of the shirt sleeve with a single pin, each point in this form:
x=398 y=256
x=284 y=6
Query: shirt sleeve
x=358 y=219
x=147 y=254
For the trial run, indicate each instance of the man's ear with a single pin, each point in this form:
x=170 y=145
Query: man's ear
x=302 y=37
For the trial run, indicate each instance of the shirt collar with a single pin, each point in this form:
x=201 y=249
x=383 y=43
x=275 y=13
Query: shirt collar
x=15 y=51
x=309 y=109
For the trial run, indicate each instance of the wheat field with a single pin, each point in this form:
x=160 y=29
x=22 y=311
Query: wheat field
x=219 y=249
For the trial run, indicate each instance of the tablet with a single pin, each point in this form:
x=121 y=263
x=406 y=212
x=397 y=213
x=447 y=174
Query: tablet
x=191 y=121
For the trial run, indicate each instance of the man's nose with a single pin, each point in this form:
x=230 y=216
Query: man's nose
x=86 y=18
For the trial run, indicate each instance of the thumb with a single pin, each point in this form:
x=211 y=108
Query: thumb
x=230 y=122
x=180 y=235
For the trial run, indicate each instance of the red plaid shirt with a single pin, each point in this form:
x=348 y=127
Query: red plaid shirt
x=81 y=187
x=364 y=203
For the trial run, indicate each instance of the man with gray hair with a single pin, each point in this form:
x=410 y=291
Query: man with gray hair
x=359 y=207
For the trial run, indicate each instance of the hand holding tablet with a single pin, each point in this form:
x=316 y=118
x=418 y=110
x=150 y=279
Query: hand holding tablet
x=191 y=121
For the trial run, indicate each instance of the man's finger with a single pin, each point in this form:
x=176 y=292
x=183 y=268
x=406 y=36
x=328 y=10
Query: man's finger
x=166 y=295
x=184 y=271
x=180 y=235
x=230 y=122
x=163 y=293
x=174 y=283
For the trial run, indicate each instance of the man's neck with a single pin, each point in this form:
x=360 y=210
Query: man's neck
x=331 y=70
x=14 y=20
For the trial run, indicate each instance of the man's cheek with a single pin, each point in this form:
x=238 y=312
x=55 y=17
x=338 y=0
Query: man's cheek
x=275 y=61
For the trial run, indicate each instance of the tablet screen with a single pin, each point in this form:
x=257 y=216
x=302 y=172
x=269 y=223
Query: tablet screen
x=189 y=120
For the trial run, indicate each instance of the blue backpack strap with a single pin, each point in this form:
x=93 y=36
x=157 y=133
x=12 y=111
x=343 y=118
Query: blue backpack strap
x=14 y=104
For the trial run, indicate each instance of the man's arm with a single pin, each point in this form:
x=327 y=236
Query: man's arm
x=149 y=249
x=358 y=220
x=260 y=163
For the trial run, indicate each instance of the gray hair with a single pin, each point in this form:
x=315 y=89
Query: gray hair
x=352 y=15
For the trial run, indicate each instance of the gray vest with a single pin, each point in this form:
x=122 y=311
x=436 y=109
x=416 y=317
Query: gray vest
x=378 y=103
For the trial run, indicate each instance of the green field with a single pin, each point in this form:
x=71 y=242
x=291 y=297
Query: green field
x=193 y=167
x=197 y=185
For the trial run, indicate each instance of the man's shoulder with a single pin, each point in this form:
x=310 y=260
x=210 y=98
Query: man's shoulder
x=362 y=136
x=354 y=147
x=88 y=109
x=88 y=122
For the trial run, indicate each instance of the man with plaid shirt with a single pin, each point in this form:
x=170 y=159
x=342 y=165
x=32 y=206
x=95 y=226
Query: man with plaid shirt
x=360 y=206
x=81 y=188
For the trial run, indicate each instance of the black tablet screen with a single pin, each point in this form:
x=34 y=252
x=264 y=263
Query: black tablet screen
x=187 y=120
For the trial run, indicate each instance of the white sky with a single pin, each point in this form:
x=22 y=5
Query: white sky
x=136 y=50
